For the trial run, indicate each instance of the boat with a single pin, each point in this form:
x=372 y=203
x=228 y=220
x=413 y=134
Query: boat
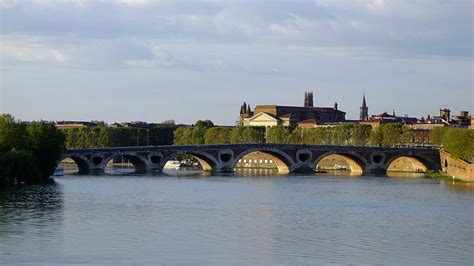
x=173 y=165
x=58 y=171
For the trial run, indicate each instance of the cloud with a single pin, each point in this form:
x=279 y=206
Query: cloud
x=58 y=56
x=107 y=34
x=376 y=4
x=135 y=2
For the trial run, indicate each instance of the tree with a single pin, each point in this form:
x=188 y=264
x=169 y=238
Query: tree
x=204 y=124
x=217 y=135
x=278 y=134
x=360 y=135
x=12 y=134
x=47 y=144
x=28 y=153
x=376 y=137
x=457 y=141
x=18 y=167
x=183 y=136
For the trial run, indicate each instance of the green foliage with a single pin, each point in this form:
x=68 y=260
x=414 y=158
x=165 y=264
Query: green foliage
x=357 y=135
x=278 y=134
x=216 y=135
x=183 y=136
x=47 y=144
x=204 y=124
x=97 y=137
x=28 y=153
x=19 y=167
x=457 y=141
x=12 y=134
x=247 y=135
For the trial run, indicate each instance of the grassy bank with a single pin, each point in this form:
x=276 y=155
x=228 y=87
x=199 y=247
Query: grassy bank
x=441 y=176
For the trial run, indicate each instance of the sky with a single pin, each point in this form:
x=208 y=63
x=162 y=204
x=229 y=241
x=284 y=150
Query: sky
x=159 y=60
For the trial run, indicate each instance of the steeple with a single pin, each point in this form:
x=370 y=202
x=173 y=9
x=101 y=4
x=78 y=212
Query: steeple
x=364 y=110
x=308 y=99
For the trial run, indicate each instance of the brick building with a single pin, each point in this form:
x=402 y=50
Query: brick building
x=274 y=115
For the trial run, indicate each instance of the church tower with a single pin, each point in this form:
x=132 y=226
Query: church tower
x=308 y=99
x=364 y=110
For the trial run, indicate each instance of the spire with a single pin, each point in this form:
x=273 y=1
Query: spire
x=393 y=112
x=308 y=99
x=364 y=110
x=243 y=108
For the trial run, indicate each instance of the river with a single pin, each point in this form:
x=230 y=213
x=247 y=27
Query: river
x=241 y=218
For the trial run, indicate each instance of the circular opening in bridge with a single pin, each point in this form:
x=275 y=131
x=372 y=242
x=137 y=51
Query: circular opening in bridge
x=97 y=160
x=406 y=164
x=339 y=164
x=304 y=157
x=226 y=157
x=377 y=158
x=187 y=164
x=155 y=159
x=261 y=163
x=124 y=164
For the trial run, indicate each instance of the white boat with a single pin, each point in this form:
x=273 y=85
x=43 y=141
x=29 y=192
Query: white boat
x=58 y=171
x=173 y=165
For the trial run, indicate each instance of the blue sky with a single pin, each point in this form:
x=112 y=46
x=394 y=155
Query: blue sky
x=188 y=60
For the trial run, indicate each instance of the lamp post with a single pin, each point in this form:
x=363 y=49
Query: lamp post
x=138 y=134
x=148 y=137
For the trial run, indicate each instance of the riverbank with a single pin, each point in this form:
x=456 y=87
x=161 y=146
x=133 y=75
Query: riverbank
x=440 y=176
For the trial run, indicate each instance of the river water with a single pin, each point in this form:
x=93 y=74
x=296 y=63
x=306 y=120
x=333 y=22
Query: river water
x=238 y=219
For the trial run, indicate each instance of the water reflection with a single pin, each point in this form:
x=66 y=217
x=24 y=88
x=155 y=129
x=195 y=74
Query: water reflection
x=31 y=209
x=246 y=217
x=465 y=187
x=395 y=174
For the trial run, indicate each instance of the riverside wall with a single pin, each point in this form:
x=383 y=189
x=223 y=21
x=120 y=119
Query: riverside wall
x=456 y=168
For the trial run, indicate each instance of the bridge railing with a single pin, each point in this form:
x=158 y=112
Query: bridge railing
x=256 y=145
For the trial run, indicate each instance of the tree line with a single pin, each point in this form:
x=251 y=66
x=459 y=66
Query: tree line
x=204 y=132
x=102 y=136
x=28 y=152
x=350 y=135
x=385 y=135
x=457 y=141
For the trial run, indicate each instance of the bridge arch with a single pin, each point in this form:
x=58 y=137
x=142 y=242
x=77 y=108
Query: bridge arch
x=407 y=163
x=357 y=164
x=138 y=162
x=83 y=164
x=207 y=161
x=282 y=160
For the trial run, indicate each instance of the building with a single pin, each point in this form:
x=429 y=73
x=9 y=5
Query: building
x=364 y=110
x=75 y=124
x=472 y=122
x=274 y=115
x=392 y=118
x=463 y=119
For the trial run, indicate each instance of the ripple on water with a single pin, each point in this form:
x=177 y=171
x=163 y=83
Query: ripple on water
x=241 y=220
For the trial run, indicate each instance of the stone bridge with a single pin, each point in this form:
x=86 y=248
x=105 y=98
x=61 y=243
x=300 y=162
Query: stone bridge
x=289 y=158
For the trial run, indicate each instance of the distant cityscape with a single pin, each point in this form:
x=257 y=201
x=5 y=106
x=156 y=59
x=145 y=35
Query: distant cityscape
x=310 y=116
